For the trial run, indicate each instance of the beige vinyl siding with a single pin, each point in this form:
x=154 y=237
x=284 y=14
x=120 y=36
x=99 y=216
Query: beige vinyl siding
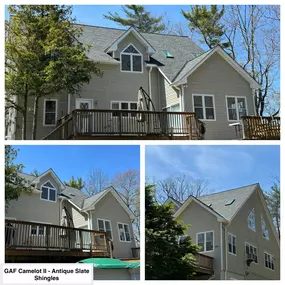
x=215 y=76
x=169 y=96
x=109 y=209
x=32 y=208
x=203 y=221
x=79 y=219
x=240 y=228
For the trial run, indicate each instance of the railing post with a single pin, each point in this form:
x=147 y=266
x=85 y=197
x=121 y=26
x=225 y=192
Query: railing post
x=47 y=236
x=120 y=123
x=74 y=123
x=243 y=129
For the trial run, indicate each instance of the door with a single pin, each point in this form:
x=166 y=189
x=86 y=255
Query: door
x=85 y=119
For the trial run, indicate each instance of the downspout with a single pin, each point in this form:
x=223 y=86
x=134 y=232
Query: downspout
x=182 y=99
x=226 y=233
x=68 y=104
x=149 y=85
x=221 y=246
x=253 y=98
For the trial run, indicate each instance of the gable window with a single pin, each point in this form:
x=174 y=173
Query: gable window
x=268 y=261
x=232 y=244
x=264 y=229
x=236 y=108
x=105 y=226
x=131 y=60
x=48 y=192
x=205 y=241
x=204 y=107
x=50 y=112
x=117 y=105
x=251 y=220
x=251 y=252
x=124 y=232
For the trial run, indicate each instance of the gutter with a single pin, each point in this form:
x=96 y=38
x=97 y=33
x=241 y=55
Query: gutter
x=221 y=246
x=149 y=84
x=226 y=269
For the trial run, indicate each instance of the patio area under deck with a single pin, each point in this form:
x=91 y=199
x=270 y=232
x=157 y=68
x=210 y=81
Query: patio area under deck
x=93 y=124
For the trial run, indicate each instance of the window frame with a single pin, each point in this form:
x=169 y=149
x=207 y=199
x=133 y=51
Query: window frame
x=227 y=108
x=104 y=220
x=232 y=236
x=56 y=111
x=204 y=107
x=263 y=221
x=251 y=245
x=205 y=241
x=43 y=185
x=124 y=224
x=126 y=110
x=272 y=260
x=252 y=212
x=131 y=59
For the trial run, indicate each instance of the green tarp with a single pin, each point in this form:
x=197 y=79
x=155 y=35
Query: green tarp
x=110 y=263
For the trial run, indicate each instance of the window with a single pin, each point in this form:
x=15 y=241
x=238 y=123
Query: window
x=268 y=261
x=236 y=108
x=48 y=192
x=167 y=54
x=251 y=220
x=124 y=106
x=251 y=252
x=264 y=229
x=105 y=226
x=124 y=232
x=50 y=112
x=131 y=60
x=205 y=241
x=232 y=244
x=229 y=202
x=204 y=107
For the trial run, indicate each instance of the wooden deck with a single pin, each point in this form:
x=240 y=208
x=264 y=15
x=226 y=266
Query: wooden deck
x=204 y=265
x=126 y=124
x=33 y=241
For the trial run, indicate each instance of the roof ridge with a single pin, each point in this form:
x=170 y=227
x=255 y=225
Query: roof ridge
x=228 y=190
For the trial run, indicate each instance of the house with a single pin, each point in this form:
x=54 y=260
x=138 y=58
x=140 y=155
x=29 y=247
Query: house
x=59 y=223
x=235 y=233
x=154 y=86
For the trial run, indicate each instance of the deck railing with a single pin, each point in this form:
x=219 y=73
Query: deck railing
x=29 y=235
x=126 y=122
x=260 y=128
x=204 y=262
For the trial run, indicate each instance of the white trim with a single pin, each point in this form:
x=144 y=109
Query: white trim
x=205 y=241
x=226 y=248
x=165 y=77
x=183 y=98
x=221 y=246
x=273 y=260
x=140 y=38
x=78 y=100
x=229 y=60
x=104 y=220
x=56 y=110
x=204 y=107
x=131 y=59
x=227 y=108
x=189 y=200
x=149 y=88
x=49 y=188
x=124 y=224
x=247 y=243
x=229 y=234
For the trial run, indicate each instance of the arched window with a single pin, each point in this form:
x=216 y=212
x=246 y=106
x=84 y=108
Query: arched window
x=264 y=229
x=131 y=60
x=48 y=192
x=251 y=220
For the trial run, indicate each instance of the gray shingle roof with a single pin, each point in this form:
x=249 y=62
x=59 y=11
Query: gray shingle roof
x=218 y=200
x=183 y=49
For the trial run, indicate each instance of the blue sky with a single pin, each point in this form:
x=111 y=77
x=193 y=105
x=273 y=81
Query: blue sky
x=79 y=160
x=225 y=167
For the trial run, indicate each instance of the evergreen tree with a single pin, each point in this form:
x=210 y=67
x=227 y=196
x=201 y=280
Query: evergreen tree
x=165 y=257
x=15 y=184
x=136 y=16
x=75 y=183
x=207 y=23
x=43 y=57
x=272 y=198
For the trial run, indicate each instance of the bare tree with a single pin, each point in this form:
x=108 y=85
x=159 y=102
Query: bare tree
x=180 y=188
x=97 y=181
x=128 y=186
